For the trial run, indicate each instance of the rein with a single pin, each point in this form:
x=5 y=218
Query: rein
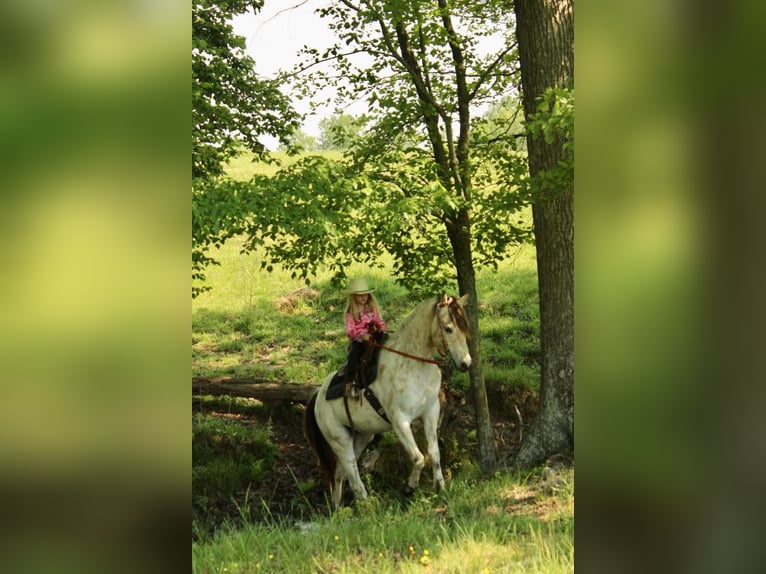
x=403 y=354
x=440 y=362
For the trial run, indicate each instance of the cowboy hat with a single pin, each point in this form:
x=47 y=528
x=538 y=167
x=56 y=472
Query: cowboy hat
x=358 y=286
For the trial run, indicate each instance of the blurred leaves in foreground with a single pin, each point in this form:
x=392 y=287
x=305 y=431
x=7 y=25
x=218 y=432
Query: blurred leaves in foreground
x=94 y=311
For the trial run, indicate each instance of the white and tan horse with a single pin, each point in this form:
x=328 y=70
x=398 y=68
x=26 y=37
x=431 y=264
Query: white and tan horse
x=406 y=388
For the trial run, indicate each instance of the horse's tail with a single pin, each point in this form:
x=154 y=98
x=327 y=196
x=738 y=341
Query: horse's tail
x=320 y=446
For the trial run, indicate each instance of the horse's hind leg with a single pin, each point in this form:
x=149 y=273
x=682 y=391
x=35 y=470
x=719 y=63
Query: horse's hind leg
x=337 y=488
x=360 y=443
x=347 y=468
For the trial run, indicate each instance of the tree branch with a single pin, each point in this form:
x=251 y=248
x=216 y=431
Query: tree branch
x=298 y=5
x=463 y=101
x=484 y=75
x=387 y=39
x=297 y=72
x=351 y=5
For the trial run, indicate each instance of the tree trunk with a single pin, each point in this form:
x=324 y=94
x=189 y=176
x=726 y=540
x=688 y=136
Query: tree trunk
x=485 y=432
x=455 y=175
x=545 y=30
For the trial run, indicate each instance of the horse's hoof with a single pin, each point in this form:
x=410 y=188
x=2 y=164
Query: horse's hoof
x=439 y=486
x=407 y=490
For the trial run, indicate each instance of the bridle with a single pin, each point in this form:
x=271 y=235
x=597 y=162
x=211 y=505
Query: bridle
x=443 y=353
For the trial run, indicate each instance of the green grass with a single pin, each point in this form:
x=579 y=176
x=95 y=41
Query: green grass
x=510 y=523
x=243 y=167
x=253 y=323
x=228 y=457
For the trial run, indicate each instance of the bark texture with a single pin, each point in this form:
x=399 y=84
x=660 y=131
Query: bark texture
x=545 y=30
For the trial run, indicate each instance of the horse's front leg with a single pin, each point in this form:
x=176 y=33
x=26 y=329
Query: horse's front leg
x=403 y=430
x=431 y=427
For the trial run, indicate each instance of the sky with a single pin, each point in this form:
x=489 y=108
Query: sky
x=276 y=34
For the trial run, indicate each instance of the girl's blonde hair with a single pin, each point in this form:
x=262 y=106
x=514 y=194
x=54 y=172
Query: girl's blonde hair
x=355 y=310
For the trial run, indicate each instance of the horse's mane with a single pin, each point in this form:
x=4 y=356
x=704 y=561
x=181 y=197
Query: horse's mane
x=416 y=312
x=458 y=314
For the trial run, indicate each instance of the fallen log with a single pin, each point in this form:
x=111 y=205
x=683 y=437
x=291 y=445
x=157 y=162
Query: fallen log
x=265 y=391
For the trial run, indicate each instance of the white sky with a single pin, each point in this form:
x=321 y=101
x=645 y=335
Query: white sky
x=274 y=37
x=276 y=34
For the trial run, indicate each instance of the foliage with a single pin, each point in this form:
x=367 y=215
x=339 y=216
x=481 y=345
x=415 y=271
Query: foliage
x=339 y=131
x=231 y=109
x=500 y=140
x=321 y=211
x=502 y=122
x=299 y=141
x=415 y=185
x=554 y=122
x=231 y=106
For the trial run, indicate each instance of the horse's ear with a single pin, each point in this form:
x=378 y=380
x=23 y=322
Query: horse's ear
x=464 y=300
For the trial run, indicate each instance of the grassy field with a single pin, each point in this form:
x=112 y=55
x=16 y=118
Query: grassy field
x=266 y=325
x=272 y=327
x=507 y=524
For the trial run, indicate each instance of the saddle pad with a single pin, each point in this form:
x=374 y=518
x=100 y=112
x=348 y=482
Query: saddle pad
x=336 y=387
x=369 y=366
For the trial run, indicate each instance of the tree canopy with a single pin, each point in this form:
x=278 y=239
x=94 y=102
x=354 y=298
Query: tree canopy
x=424 y=165
x=340 y=131
x=231 y=109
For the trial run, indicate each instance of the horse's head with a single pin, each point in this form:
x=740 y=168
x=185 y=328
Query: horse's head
x=450 y=330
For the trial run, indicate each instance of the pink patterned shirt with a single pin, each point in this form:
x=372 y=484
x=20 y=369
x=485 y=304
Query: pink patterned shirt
x=356 y=328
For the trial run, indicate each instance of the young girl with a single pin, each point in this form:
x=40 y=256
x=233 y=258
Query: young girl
x=362 y=320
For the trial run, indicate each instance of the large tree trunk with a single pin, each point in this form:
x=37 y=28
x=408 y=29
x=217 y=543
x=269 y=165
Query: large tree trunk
x=545 y=30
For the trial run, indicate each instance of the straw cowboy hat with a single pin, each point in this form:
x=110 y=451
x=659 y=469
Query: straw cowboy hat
x=358 y=286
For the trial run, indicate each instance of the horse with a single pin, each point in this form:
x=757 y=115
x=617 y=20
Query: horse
x=406 y=389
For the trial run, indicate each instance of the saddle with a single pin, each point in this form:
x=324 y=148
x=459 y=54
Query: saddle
x=365 y=374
